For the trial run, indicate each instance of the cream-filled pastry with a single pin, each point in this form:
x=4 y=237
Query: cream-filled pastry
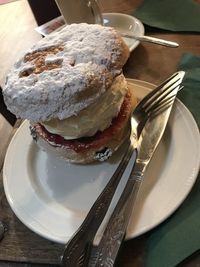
x=71 y=88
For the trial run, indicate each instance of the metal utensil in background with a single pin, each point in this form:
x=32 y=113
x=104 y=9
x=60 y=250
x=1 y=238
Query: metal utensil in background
x=106 y=252
x=150 y=39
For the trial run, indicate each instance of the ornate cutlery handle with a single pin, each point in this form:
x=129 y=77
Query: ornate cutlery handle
x=78 y=248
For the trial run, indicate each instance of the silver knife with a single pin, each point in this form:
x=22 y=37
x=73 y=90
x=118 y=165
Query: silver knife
x=106 y=252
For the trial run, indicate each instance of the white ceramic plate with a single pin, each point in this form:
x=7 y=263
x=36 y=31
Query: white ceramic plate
x=125 y=24
x=52 y=197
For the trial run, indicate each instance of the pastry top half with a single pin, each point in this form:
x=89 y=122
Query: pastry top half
x=65 y=72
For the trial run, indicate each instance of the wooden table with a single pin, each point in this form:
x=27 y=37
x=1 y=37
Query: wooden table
x=147 y=62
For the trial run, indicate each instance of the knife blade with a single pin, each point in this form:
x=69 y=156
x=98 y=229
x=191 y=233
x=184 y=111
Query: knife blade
x=107 y=250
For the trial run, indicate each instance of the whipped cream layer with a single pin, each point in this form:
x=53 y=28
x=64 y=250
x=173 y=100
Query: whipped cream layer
x=96 y=117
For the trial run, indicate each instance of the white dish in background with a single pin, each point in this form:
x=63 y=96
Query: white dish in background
x=121 y=22
x=125 y=24
x=52 y=197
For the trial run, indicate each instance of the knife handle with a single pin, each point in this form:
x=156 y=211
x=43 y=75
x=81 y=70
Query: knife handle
x=106 y=252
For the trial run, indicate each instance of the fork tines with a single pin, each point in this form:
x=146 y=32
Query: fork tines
x=163 y=93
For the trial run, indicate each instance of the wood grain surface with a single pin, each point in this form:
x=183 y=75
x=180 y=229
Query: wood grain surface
x=17 y=34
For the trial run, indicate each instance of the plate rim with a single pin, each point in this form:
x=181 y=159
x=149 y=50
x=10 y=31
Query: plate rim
x=194 y=174
x=56 y=238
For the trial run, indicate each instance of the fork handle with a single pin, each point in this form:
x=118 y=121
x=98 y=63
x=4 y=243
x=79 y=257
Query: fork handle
x=78 y=248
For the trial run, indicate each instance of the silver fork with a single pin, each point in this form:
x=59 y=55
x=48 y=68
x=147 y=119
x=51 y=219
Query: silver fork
x=77 y=250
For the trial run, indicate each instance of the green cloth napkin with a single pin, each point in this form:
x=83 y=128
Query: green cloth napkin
x=173 y=15
x=179 y=236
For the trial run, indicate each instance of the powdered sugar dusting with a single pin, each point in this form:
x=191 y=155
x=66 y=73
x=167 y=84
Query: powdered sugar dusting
x=90 y=58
